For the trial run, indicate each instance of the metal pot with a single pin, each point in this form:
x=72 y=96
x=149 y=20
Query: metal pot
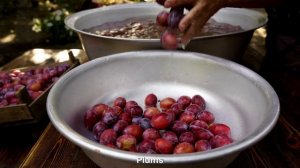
x=236 y=95
x=230 y=46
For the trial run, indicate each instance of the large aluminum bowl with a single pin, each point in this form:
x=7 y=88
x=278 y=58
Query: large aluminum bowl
x=230 y=46
x=236 y=95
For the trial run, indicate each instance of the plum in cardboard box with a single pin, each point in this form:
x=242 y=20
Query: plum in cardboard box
x=31 y=109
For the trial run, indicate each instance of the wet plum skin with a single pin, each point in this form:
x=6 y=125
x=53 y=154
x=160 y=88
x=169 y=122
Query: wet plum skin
x=160 y=130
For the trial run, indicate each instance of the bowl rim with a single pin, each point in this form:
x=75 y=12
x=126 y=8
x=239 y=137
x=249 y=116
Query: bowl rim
x=71 y=20
x=90 y=145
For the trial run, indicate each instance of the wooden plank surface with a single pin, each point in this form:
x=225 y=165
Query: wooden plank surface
x=52 y=150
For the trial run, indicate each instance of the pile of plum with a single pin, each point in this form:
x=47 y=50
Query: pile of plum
x=35 y=80
x=165 y=126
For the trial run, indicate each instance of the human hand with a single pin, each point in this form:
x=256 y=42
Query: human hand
x=199 y=13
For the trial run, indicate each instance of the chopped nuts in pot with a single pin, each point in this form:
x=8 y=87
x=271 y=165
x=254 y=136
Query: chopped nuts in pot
x=146 y=28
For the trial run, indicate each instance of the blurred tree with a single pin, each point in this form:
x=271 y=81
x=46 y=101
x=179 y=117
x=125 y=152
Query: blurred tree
x=53 y=22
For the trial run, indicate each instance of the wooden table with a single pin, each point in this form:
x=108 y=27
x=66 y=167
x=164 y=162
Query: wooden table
x=53 y=150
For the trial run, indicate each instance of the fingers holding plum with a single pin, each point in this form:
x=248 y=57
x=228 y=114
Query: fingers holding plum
x=161 y=2
x=176 y=14
x=170 y=20
x=174 y=3
x=190 y=24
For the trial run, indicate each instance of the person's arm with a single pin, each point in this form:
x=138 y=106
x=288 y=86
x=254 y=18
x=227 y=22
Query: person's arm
x=202 y=10
x=252 y=3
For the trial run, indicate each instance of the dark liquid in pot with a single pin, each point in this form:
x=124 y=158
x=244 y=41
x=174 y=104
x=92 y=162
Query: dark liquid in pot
x=146 y=28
